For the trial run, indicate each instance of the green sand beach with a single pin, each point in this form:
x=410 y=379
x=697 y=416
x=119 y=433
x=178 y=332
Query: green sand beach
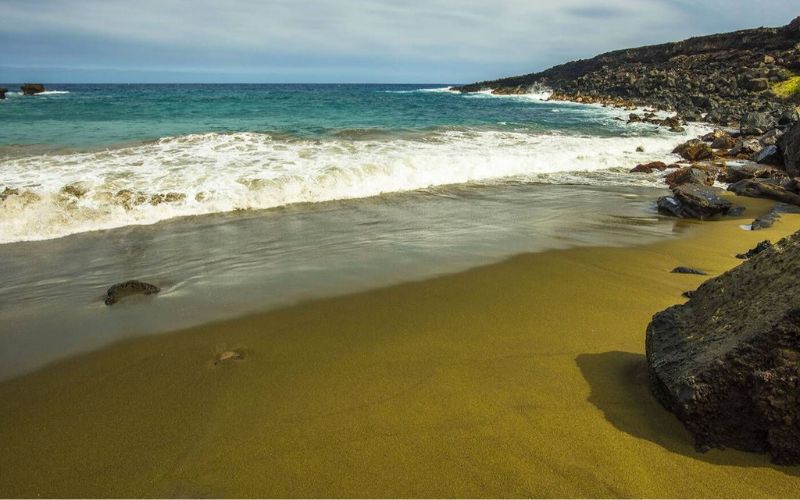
x=521 y=379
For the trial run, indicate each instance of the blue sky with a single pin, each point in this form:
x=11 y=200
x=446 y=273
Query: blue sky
x=381 y=41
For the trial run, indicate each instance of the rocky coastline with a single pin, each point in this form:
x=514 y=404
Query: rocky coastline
x=727 y=362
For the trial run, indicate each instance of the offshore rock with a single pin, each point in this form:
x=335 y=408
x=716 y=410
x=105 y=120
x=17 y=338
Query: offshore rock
x=3 y=91
x=731 y=372
x=31 y=88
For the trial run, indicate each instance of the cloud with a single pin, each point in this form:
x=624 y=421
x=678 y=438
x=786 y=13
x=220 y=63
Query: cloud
x=348 y=40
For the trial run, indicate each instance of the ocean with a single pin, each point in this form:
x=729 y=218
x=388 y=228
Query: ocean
x=237 y=198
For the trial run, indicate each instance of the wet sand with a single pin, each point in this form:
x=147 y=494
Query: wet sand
x=522 y=378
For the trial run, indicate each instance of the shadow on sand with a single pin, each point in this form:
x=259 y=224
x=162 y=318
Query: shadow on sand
x=619 y=388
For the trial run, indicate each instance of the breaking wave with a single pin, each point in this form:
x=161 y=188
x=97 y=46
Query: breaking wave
x=52 y=195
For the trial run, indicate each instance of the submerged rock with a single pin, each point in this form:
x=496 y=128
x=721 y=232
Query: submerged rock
x=731 y=371
x=31 y=88
x=133 y=287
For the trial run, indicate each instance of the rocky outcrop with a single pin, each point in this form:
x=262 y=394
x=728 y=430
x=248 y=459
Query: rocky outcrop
x=731 y=371
x=31 y=88
x=695 y=202
x=133 y=287
x=765 y=189
x=718 y=78
x=789 y=145
x=3 y=91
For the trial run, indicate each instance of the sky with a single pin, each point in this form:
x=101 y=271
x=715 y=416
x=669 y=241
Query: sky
x=342 y=41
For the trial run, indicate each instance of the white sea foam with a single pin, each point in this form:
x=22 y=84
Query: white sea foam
x=53 y=92
x=208 y=173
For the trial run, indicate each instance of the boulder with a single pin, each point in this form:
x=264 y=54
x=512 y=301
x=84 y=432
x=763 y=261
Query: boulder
x=132 y=287
x=730 y=371
x=690 y=175
x=31 y=88
x=764 y=189
x=694 y=202
x=789 y=145
x=724 y=141
x=734 y=172
x=3 y=91
x=770 y=155
x=648 y=168
x=756 y=123
x=694 y=150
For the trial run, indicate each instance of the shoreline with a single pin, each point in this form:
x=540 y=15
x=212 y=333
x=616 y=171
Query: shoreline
x=503 y=380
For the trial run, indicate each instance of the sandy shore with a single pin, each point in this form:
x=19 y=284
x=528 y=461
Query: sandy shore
x=517 y=379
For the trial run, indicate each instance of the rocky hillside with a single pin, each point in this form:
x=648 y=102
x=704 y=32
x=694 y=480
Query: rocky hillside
x=717 y=77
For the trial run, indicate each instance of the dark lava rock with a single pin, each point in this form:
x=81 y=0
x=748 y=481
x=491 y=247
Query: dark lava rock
x=750 y=170
x=768 y=220
x=694 y=202
x=727 y=362
x=764 y=245
x=648 y=168
x=789 y=145
x=694 y=150
x=132 y=287
x=688 y=294
x=764 y=189
x=770 y=155
x=3 y=91
x=690 y=175
x=31 y=88
x=688 y=270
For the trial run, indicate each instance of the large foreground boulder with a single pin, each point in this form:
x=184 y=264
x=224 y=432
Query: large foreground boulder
x=727 y=362
x=31 y=88
x=693 y=201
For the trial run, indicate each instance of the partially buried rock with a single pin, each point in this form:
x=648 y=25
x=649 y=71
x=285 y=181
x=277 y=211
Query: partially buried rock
x=228 y=356
x=694 y=202
x=764 y=245
x=727 y=363
x=688 y=270
x=132 y=287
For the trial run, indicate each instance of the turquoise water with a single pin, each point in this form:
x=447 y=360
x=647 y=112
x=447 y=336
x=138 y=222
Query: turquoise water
x=106 y=115
x=240 y=198
x=88 y=157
